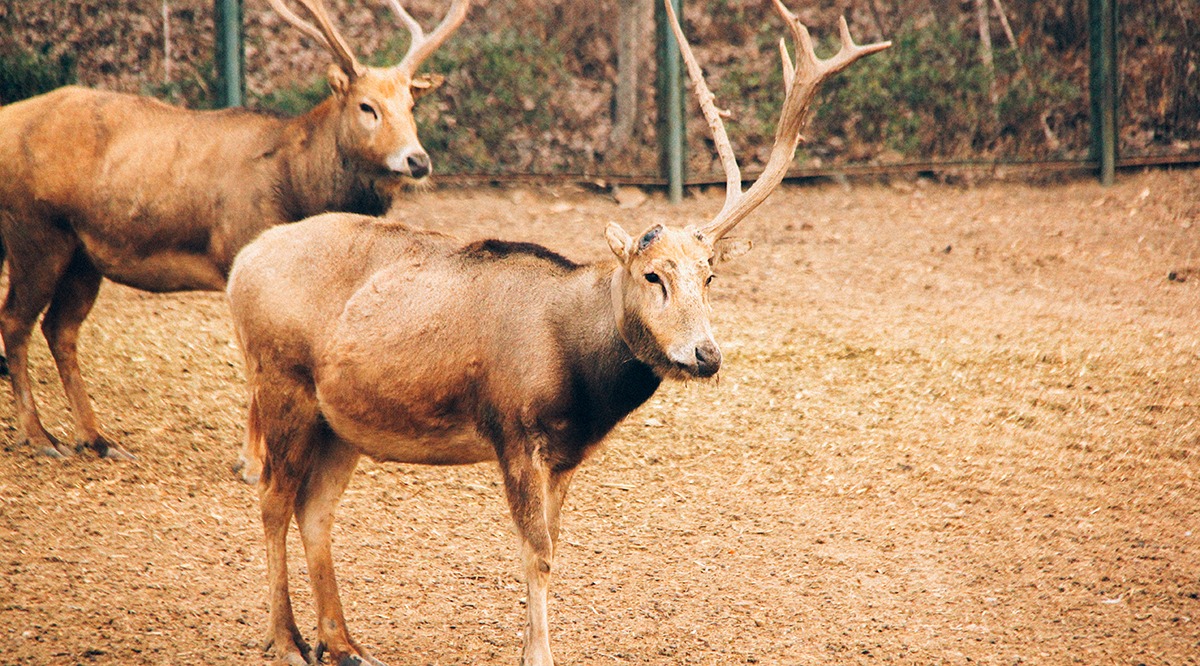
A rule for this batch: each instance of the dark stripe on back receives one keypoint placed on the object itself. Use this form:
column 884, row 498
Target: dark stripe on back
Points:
column 495, row 250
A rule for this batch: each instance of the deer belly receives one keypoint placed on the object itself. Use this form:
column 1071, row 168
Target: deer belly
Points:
column 406, row 442
column 167, row 271
column 160, row 269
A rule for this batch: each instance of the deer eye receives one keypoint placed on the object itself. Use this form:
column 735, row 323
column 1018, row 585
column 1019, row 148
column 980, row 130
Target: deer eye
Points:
column 653, row 278
column 708, row 280
column 367, row 108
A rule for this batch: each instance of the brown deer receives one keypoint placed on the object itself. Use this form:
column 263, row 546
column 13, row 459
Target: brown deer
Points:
column 98, row 184
column 364, row 336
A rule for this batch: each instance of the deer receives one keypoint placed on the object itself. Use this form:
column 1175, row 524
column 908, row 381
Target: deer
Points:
column 373, row 337
column 97, row 184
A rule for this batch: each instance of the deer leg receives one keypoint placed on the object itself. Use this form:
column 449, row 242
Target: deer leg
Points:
column 276, row 501
column 315, row 507
column 535, row 496
column 560, row 482
column 285, row 417
column 33, row 275
column 73, row 300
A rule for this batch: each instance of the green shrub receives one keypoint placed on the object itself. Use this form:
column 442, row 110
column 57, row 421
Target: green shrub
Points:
column 498, row 101
column 1023, row 103
column 753, row 93
column 925, row 96
column 929, row 97
column 25, row 73
column 295, row 100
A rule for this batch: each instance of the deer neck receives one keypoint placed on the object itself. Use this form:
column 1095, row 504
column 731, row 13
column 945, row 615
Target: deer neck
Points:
column 596, row 310
column 318, row 175
column 608, row 381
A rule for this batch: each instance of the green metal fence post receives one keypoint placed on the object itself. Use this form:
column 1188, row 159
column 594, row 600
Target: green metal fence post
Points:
column 1102, row 46
column 670, row 101
column 230, row 55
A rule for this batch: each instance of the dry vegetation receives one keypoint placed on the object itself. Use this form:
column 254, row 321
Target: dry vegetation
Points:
column 955, row 425
column 547, row 108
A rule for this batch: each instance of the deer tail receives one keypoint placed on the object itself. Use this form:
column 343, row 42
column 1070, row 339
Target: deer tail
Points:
column 250, row 463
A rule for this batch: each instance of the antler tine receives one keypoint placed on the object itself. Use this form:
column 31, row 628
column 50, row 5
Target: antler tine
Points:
column 801, row 81
column 418, row 33
column 789, row 71
column 423, row 46
column 324, row 32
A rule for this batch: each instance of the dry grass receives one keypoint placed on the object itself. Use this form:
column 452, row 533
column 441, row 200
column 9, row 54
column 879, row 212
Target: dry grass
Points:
column 954, row 425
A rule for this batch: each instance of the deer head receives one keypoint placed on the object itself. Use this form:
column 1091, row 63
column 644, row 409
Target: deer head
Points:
column 375, row 104
column 660, row 290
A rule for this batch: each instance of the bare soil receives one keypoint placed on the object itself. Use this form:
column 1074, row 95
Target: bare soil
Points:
column 954, row 425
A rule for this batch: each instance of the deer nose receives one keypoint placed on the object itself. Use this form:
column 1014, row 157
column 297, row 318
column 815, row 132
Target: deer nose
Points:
column 418, row 164
column 708, row 358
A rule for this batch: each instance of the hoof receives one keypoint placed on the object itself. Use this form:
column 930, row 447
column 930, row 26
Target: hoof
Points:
column 117, row 453
column 361, row 659
column 300, row 653
column 105, row 449
column 54, row 452
column 50, row 447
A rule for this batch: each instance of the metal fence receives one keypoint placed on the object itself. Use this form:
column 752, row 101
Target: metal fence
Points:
column 554, row 89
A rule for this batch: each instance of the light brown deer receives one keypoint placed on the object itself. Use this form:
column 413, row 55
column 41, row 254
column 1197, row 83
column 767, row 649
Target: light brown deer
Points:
column 97, row 184
column 369, row 337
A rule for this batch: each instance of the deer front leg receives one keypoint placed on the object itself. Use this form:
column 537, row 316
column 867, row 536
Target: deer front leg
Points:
column 72, row 302
column 560, row 482
column 535, row 495
column 35, row 266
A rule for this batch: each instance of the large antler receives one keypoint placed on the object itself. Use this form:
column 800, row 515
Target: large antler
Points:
column 325, row 34
column 801, row 81
column 423, row 46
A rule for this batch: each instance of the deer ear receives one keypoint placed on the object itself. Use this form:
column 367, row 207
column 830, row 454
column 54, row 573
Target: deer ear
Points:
column 730, row 248
column 619, row 242
column 339, row 81
column 426, row 83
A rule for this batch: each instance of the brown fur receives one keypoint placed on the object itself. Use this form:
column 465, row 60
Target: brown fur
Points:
column 98, row 184
column 368, row 337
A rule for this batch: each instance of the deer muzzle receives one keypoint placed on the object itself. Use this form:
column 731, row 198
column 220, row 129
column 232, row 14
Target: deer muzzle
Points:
column 411, row 162
column 702, row 359
column 708, row 358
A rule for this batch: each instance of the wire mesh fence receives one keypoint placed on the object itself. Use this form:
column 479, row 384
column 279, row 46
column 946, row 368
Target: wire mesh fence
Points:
column 553, row 88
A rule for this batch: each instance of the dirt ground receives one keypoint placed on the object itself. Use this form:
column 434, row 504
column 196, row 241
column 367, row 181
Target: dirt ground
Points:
column 955, row 424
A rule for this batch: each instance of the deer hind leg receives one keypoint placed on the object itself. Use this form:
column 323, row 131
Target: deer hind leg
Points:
column 535, row 497
column 73, row 300
column 315, row 508
column 276, row 502
column 35, row 267
column 286, row 412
